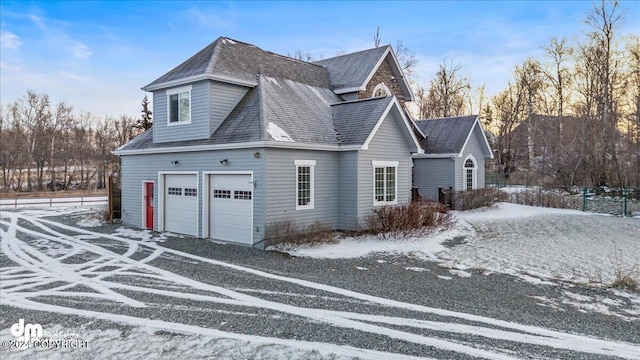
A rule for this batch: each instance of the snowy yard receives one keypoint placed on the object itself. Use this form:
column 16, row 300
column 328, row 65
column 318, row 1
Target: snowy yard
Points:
column 533, row 243
column 129, row 294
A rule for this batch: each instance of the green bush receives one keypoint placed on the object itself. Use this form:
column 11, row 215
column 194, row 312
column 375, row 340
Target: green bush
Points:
column 416, row 218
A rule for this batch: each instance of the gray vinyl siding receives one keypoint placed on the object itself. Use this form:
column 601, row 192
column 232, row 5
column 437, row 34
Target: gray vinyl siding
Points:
column 476, row 148
column 199, row 126
column 281, row 186
column 348, row 191
column 429, row 174
column 222, row 99
column 388, row 144
column 139, row 168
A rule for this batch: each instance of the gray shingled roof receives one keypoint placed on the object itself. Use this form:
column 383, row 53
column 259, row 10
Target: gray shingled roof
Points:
column 447, row 135
column 233, row 59
column 303, row 113
column 292, row 101
column 299, row 110
column 352, row 70
column 354, row 120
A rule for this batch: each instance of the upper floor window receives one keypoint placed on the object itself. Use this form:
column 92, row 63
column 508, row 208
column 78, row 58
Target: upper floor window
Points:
column 304, row 184
column 179, row 105
column 385, row 180
column 381, row 90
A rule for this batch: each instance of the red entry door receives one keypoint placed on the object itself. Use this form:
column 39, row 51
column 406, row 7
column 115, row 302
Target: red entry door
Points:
column 148, row 203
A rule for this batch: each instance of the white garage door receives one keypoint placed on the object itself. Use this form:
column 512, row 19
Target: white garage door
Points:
column 231, row 204
column 181, row 204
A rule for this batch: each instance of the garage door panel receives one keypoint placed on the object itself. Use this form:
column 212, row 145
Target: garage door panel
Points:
column 181, row 204
column 230, row 207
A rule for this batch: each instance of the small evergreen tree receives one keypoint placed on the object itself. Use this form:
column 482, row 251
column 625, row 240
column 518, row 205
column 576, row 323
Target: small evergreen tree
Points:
column 145, row 122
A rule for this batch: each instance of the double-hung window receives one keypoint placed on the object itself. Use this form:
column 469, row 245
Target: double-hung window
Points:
column 385, row 182
column 179, row 105
column 305, row 184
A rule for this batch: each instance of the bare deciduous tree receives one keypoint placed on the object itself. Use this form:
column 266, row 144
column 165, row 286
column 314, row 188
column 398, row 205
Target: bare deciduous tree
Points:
column 447, row 95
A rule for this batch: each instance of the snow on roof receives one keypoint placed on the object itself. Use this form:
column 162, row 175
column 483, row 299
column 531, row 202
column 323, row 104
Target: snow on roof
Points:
column 277, row 133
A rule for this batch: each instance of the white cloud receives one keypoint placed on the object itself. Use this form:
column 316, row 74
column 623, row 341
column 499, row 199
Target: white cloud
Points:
column 38, row 21
column 101, row 95
column 80, row 50
column 9, row 40
column 208, row 18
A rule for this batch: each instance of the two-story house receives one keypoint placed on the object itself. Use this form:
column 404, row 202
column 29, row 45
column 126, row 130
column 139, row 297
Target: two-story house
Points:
column 243, row 138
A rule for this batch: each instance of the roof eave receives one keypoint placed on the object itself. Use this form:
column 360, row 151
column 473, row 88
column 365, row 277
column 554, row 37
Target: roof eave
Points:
column 484, row 137
column 348, row 90
column 435, row 156
column 392, row 103
column 244, row 145
column 191, row 79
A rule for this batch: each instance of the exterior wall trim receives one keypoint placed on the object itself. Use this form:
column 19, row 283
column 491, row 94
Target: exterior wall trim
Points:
column 196, row 78
column 393, row 103
column 311, row 164
column 484, row 137
column 374, row 165
column 434, row 156
column 254, row 144
column 177, row 90
column 474, row 176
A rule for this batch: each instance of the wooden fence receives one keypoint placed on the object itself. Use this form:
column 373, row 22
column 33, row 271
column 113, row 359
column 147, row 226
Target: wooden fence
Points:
column 60, row 201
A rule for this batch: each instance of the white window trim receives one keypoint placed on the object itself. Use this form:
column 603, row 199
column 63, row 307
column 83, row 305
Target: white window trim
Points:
column 174, row 91
column 474, row 173
column 383, row 87
column 311, row 164
column 384, row 164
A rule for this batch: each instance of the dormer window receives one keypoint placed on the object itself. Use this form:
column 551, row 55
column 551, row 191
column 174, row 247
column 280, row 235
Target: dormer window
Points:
column 381, row 90
column 179, row 105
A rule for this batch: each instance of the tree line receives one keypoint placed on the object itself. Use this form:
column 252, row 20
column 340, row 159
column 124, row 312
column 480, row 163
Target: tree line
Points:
column 44, row 146
column 588, row 92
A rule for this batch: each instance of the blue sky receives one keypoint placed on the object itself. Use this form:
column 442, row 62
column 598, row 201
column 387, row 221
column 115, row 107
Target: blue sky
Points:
column 97, row 55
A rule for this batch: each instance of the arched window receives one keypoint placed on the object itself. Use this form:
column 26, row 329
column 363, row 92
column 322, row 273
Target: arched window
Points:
column 469, row 171
column 381, row 90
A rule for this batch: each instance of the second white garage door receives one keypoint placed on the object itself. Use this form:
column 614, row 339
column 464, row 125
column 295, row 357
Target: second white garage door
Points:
column 231, row 205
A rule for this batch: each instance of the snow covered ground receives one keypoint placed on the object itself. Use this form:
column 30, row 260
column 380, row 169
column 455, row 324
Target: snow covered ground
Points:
column 537, row 245
column 128, row 277
column 534, row 243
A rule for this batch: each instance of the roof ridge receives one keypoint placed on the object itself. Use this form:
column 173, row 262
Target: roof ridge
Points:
column 448, row 118
column 261, row 105
column 270, row 52
column 214, row 56
column 355, row 52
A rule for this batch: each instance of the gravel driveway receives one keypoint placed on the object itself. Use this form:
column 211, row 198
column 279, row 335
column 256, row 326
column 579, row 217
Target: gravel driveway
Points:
column 62, row 276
